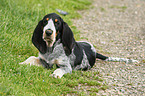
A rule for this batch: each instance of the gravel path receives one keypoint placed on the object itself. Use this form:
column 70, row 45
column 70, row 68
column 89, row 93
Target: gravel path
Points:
column 117, row 29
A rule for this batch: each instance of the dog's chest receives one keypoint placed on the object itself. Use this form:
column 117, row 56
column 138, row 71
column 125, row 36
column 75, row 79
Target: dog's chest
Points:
column 57, row 55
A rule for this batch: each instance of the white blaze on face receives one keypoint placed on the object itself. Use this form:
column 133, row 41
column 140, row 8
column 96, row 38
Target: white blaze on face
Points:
column 50, row 25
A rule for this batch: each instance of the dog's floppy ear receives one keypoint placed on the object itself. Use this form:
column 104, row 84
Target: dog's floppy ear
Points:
column 37, row 40
column 68, row 40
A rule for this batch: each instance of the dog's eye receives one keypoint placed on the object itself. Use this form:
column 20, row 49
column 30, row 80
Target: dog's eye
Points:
column 47, row 19
column 56, row 20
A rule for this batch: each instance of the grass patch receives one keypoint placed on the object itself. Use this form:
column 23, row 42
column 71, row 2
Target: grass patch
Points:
column 104, row 87
column 120, row 8
column 94, row 90
column 88, row 82
column 143, row 61
column 102, row 9
column 18, row 20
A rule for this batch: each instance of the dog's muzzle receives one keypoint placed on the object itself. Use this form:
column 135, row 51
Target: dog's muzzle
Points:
column 48, row 32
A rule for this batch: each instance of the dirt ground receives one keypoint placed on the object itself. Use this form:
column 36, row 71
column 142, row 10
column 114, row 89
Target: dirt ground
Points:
column 117, row 29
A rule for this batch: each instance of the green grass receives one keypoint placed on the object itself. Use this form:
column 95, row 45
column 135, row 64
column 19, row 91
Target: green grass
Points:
column 120, row 8
column 18, row 18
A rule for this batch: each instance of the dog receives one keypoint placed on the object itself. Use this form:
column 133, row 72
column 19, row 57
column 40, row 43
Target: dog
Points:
column 56, row 44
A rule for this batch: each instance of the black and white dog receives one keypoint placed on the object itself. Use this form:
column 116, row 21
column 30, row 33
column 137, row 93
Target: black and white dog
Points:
column 56, row 44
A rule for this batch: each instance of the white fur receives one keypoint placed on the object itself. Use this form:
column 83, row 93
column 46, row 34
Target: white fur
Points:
column 50, row 25
column 121, row 60
column 58, row 73
column 32, row 61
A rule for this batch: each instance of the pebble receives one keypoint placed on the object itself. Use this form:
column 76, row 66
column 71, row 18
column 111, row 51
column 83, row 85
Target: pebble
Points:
column 115, row 88
column 120, row 85
column 122, row 90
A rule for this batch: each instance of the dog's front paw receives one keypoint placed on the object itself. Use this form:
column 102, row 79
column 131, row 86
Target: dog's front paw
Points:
column 58, row 73
column 55, row 75
column 32, row 61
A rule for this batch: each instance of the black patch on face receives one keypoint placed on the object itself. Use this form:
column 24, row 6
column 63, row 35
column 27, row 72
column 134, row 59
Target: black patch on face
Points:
column 54, row 16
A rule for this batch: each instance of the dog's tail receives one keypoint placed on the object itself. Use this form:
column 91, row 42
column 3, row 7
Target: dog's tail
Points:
column 115, row 59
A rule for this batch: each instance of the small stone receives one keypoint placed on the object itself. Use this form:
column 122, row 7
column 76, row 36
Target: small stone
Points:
column 122, row 90
column 135, row 12
column 104, row 94
column 123, row 70
column 120, row 85
column 119, row 93
column 115, row 88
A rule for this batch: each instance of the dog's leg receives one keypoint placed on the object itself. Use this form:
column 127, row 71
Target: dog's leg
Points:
column 32, row 61
column 58, row 73
column 64, row 67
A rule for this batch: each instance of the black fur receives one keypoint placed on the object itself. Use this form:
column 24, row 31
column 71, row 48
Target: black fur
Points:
column 78, row 52
column 37, row 40
column 68, row 40
column 100, row 56
column 91, row 56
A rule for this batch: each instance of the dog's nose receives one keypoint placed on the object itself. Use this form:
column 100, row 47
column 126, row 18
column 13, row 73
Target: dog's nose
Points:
column 48, row 32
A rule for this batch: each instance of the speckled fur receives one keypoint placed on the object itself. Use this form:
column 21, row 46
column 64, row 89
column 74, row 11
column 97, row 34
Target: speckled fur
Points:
column 57, row 56
column 84, row 64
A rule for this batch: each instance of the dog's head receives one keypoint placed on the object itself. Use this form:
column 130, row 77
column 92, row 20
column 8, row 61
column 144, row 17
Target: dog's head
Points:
column 49, row 30
column 52, row 25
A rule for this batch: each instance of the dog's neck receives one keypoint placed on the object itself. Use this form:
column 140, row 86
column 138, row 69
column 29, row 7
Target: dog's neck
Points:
column 50, row 49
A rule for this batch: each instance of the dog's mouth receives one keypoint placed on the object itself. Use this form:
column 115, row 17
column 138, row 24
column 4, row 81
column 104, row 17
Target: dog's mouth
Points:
column 48, row 39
